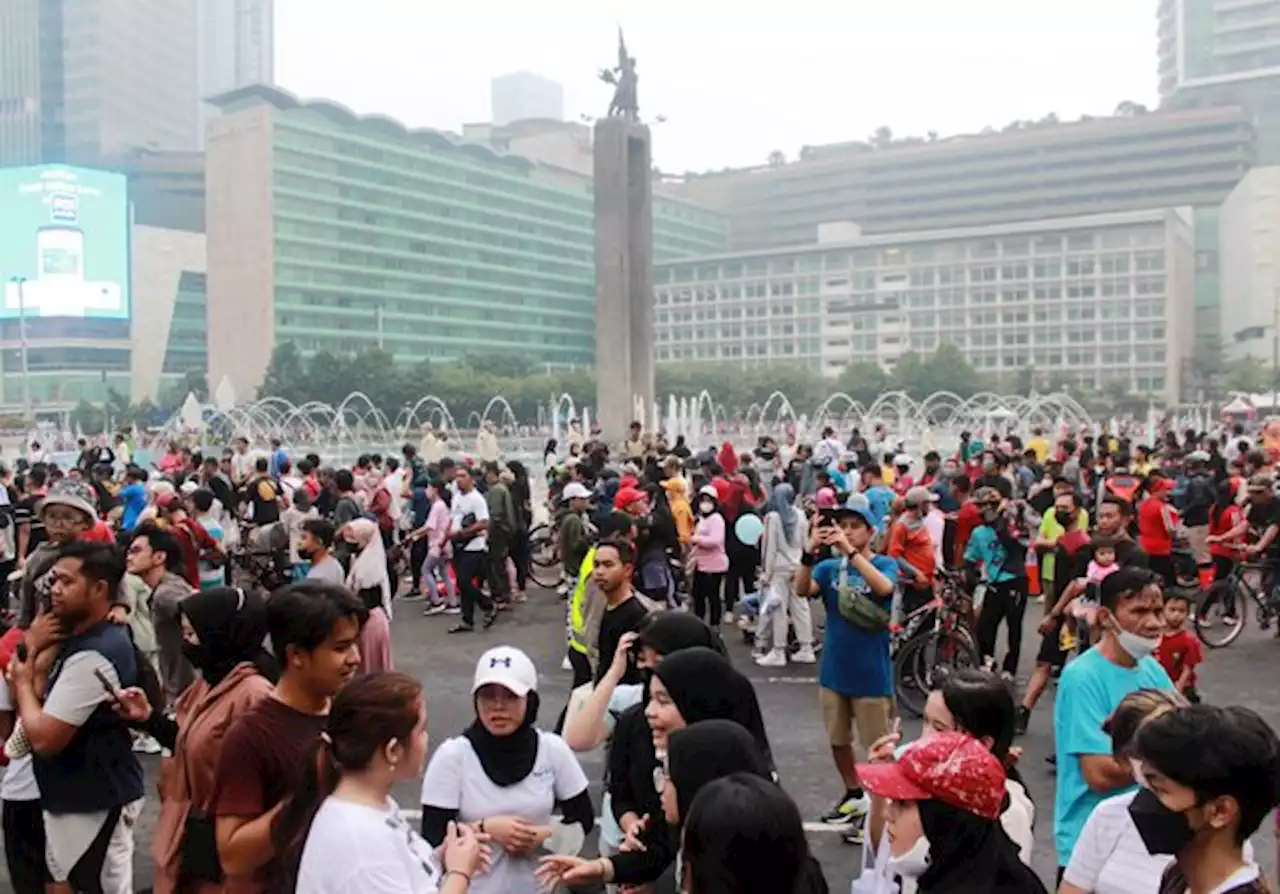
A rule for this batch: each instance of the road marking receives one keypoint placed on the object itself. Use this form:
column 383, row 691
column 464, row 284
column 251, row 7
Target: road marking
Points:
column 416, row 816
column 800, row 681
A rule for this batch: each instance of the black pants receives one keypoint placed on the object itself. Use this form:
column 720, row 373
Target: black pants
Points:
column 388, row 541
column 471, row 568
column 1163, row 566
column 741, row 579
column 520, row 555
column 1006, row 601
column 706, row 595
column 24, row 846
column 417, row 558
column 499, row 549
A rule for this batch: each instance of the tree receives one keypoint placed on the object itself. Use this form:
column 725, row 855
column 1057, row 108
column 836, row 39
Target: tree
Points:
column 1248, row 374
column 1129, row 109
column 882, row 136
column 863, row 381
column 285, row 375
column 1025, row 382
column 511, row 366
column 777, row 159
column 88, row 418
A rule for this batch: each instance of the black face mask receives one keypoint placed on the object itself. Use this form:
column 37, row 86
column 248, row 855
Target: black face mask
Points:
column 1064, row 518
column 305, row 554
column 192, row 654
column 1163, row 830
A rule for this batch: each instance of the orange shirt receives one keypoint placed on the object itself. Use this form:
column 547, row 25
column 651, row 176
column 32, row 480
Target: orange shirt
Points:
column 914, row 546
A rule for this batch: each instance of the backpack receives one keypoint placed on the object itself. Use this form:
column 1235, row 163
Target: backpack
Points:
column 1123, row 485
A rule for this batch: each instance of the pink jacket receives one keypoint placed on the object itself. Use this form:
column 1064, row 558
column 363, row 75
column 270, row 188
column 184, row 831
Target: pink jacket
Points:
column 438, row 529
column 707, row 551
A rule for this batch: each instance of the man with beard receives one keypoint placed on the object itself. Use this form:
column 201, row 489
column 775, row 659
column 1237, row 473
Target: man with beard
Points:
column 89, row 779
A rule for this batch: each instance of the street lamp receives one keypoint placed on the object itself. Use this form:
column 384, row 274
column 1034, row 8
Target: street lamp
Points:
column 20, row 282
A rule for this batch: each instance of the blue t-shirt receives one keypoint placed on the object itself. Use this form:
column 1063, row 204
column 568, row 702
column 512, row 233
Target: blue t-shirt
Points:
column 880, row 501
column 133, row 498
column 984, row 546
column 278, row 459
column 1090, row 689
column 421, row 507
column 856, row 664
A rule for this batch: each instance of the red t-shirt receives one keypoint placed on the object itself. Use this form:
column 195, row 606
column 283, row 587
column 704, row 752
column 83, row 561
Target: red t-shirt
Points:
column 193, row 539
column 1178, row 651
column 1154, row 536
column 915, row 546
column 967, row 519
column 1221, row 523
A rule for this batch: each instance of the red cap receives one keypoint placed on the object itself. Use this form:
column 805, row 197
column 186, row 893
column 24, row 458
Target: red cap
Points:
column 953, row 768
column 626, row 496
column 1162, row 484
column 166, row 501
column 628, row 481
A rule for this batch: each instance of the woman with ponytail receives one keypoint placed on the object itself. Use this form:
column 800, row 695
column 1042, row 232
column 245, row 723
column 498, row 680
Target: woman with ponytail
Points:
column 342, row 833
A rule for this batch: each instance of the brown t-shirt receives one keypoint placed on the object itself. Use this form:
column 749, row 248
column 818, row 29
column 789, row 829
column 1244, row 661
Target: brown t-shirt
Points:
column 261, row 764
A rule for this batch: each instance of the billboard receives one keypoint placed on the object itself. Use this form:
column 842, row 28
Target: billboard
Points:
column 64, row 235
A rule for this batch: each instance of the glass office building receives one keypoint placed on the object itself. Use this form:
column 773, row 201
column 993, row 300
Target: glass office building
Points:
column 1083, row 301
column 338, row 232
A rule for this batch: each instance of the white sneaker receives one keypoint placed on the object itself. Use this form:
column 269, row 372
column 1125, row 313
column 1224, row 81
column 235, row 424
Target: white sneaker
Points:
column 774, row 658
column 804, row 655
column 145, row 744
column 728, row 617
column 566, row 664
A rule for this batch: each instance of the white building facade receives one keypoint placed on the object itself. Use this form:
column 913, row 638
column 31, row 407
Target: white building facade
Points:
column 1083, row 301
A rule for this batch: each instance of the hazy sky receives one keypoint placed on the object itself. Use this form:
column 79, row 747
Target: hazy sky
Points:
column 734, row 80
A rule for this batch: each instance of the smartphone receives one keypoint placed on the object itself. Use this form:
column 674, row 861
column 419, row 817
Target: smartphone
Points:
column 826, row 518
column 21, row 652
column 107, row 685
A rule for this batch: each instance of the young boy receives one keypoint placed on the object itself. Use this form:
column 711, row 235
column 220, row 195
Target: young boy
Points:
column 1179, row 652
column 315, row 635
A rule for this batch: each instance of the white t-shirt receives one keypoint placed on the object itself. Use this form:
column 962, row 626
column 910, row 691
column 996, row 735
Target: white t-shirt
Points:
column 1109, row 856
column 455, row 780
column 472, row 503
column 20, row 776
column 357, row 849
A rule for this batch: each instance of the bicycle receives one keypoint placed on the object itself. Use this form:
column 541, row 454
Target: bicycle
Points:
column 1246, row 581
column 933, row 640
column 544, row 555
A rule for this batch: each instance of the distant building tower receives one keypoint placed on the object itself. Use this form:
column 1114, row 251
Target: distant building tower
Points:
column 84, row 79
column 523, row 95
column 237, row 48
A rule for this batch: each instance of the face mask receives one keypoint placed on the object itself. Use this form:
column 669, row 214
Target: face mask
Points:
column 1138, row 647
column 706, row 508
column 305, row 554
column 1163, row 830
column 990, row 515
column 191, row 653
column 1064, row 518
column 914, row 863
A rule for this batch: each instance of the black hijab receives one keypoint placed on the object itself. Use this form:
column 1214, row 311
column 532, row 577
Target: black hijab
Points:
column 709, row 750
column 231, row 624
column 670, row 632
column 705, row 686
column 507, row 760
column 971, row 855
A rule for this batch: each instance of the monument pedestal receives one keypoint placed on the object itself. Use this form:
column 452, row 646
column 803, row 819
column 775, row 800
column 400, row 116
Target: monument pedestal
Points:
column 624, row 273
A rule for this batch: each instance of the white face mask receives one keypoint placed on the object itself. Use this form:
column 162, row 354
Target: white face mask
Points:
column 706, row 507
column 1138, row 647
column 914, row 863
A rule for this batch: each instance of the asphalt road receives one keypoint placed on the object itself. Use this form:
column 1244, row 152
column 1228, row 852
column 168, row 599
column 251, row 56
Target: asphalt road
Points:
column 1242, row 674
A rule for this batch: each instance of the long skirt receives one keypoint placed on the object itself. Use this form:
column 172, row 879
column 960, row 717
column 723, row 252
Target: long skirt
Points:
column 375, row 643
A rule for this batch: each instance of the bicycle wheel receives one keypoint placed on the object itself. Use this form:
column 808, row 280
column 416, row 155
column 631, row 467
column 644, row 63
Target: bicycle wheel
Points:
column 949, row 649
column 909, row 685
column 1220, row 617
column 544, row 557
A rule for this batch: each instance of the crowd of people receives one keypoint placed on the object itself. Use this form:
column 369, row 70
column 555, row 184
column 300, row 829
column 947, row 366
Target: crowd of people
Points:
column 284, row 726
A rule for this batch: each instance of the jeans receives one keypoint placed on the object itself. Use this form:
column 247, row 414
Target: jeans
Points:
column 432, row 564
column 1005, row 601
column 706, row 595
column 471, row 568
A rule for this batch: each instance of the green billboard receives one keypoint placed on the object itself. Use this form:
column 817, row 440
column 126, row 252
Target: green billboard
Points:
column 64, row 242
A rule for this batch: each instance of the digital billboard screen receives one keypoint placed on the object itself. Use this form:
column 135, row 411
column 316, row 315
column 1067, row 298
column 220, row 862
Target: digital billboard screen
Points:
column 64, row 236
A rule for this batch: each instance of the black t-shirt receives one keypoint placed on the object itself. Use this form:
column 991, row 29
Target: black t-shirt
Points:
column 24, row 513
column 264, row 493
column 623, row 619
column 1262, row 516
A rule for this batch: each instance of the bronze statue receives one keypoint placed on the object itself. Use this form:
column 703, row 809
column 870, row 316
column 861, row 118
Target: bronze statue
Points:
column 625, row 102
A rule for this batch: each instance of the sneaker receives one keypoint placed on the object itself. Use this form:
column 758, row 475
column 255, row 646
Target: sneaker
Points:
column 853, row 835
column 728, row 618
column 775, row 658
column 1020, row 722
column 849, row 810
column 489, row 617
column 462, row 628
column 566, row 664
column 432, row 610
column 413, row 596
column 145, row 744
column 452, row 610
column 804, row 655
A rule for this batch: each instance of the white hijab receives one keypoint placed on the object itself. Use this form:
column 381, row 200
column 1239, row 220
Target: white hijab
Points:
column 369, row 567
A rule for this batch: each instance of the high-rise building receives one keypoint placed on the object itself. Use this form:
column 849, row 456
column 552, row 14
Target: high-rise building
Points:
column 522, row 95
column 237, row 48
column 1081, row 302
column 1224, row 52
column 338, row 232
column 1249, row 231
column 84, row 79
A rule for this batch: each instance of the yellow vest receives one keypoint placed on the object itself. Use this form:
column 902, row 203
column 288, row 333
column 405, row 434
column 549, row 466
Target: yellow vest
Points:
column 577, row 604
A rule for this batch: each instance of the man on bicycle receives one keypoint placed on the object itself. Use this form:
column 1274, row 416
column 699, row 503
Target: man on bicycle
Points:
column 1263, row 514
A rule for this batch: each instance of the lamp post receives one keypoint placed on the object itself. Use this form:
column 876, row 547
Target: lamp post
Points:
column 20, row 282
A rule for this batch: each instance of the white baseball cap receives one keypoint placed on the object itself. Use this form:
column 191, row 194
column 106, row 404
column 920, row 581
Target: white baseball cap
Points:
column 575, row 491
column 509, row 668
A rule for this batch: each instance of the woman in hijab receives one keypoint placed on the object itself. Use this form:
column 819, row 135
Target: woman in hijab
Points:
column 368, row 580
column 222, row 633
column 688, row 687
column 504, row 776
column 945, row 798
column 728, row 459
column 785, row 533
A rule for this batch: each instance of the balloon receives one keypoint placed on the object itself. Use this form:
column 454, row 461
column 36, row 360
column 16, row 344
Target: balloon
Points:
column 749, row 529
